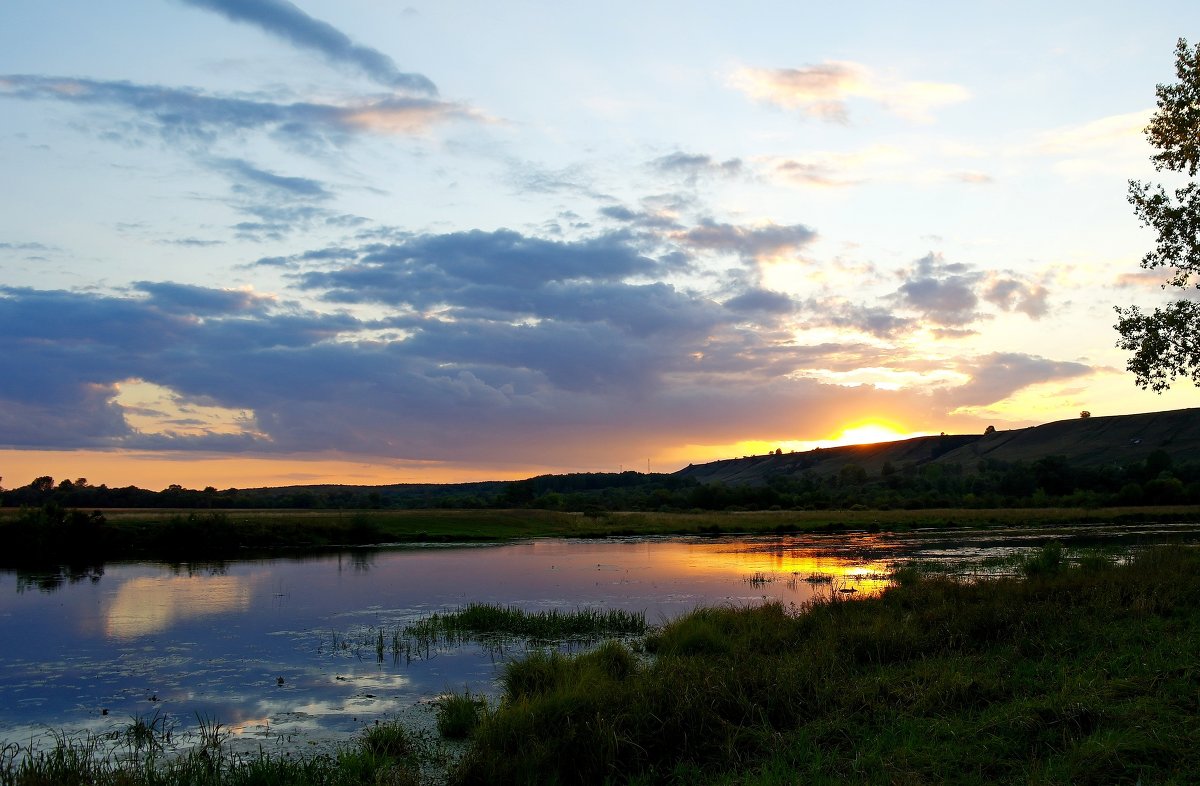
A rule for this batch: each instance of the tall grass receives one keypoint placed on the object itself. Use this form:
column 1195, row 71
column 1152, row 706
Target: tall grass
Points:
column 384, row 754
column 478, row 619
column 1070, row 675
column 492, row 625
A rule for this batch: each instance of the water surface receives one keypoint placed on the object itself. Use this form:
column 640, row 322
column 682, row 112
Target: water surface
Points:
column 279, row 650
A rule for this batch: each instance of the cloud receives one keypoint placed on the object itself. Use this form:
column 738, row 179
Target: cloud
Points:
column 644, row 219
column 607, row 365
column 941, row 292
column 761, row 301
column 997, row 376
column 758, row 242
column 878, row 321
column 1096, row 136
column 24, row 247
column 290, row 186
column 838, row 169
column 189, row 115
column 426, row 270
column 823, row 91
column 691, row 167
column 1010, row 294
column 278, row 204
column 284, row 20
column 202, row 301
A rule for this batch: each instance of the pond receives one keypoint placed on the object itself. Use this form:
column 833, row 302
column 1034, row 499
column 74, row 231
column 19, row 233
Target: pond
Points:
column 284, row 654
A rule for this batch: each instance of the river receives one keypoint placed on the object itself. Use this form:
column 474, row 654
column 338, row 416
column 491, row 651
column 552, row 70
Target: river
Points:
column 281, row 651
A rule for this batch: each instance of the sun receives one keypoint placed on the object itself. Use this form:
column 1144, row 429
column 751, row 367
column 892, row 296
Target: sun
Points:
column 869, row 432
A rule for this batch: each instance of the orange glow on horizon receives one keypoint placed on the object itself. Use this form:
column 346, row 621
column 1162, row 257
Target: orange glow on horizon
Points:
column 861, row 432
column 156, row 471
column 871, row 431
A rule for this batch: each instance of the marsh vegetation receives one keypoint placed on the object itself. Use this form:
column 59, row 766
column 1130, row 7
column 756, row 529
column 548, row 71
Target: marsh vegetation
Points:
column 1069, row 671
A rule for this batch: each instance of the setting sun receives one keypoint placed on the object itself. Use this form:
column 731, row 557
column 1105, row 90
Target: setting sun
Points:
column 871, row 431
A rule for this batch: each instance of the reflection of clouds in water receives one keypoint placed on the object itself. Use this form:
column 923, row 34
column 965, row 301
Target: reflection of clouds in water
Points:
column 149, row 604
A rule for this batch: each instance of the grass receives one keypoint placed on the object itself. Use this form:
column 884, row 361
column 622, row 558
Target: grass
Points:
column 191, row 534
column 493, row 625
column 385, row 754
column 458, row 714
column 1076, row 674
column 487, row 619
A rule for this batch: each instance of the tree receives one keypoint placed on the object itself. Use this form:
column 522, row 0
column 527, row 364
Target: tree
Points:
column 1166, row 343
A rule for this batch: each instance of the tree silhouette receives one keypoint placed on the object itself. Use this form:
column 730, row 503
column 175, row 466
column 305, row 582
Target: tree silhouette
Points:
column 1166, row 343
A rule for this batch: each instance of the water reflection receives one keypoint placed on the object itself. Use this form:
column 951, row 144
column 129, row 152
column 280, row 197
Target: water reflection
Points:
column 54, row 579
column 249, row 643
column 150, row 604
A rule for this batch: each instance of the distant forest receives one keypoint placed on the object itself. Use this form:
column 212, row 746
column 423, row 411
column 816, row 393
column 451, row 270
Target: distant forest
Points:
column 1052, row 481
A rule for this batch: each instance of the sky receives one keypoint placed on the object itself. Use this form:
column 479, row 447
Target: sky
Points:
column 255, row 242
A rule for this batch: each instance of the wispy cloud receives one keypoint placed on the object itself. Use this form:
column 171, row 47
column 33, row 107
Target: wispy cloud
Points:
column 288, row 22
column 187, row 114
column 999, row 375
column 693, row 166
column 822, row 91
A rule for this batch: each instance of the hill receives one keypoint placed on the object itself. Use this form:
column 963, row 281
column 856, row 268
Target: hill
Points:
column 1118, row 440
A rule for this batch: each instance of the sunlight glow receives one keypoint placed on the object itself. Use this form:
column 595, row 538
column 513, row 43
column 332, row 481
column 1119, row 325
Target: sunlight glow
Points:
column 870, row 432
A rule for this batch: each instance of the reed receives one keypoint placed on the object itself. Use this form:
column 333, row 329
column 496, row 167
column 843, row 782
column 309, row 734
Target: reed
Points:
column 485, row 619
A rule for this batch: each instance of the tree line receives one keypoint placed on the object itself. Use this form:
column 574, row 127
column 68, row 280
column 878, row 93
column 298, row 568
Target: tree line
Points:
column 1052, row 481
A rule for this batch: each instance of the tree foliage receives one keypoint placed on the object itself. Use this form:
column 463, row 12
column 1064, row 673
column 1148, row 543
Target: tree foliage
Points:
column 1166, row 343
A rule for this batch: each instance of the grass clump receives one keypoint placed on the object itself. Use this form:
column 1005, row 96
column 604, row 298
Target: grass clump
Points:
column 487, row 619
column 459, row 713
column 1068, row 674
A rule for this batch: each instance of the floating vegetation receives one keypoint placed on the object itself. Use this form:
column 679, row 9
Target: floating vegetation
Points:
column 493, row 625
column 759, row 579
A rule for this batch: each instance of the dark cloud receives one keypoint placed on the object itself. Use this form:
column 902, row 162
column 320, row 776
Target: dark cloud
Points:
column 428, row 270
column 748, row 242
column 189, row 115
column 761, row 301
column 492, row 337
column 997, row 376
column 284, row 20
column 944, row 293
column 643, row 219
column 1011, row 294
column 201, row 301
column 877, row 321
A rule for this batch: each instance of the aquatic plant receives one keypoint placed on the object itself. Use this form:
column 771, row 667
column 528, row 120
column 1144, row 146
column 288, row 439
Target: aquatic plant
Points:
column 459, row 713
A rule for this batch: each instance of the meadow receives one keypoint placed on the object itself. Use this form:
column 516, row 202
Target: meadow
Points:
column 52, row 533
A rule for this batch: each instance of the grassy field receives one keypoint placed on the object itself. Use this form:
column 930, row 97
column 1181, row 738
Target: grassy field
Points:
column 38, row 535
column 1068, row 674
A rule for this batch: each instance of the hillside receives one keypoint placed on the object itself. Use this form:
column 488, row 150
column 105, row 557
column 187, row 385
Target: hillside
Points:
column 1097, row 441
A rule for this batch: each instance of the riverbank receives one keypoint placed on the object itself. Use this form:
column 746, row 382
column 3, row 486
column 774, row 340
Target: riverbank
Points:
column 1081, row 673
column 54, row 534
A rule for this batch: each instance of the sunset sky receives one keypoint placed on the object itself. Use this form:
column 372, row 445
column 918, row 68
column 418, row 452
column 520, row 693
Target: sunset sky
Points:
column 251, row 242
